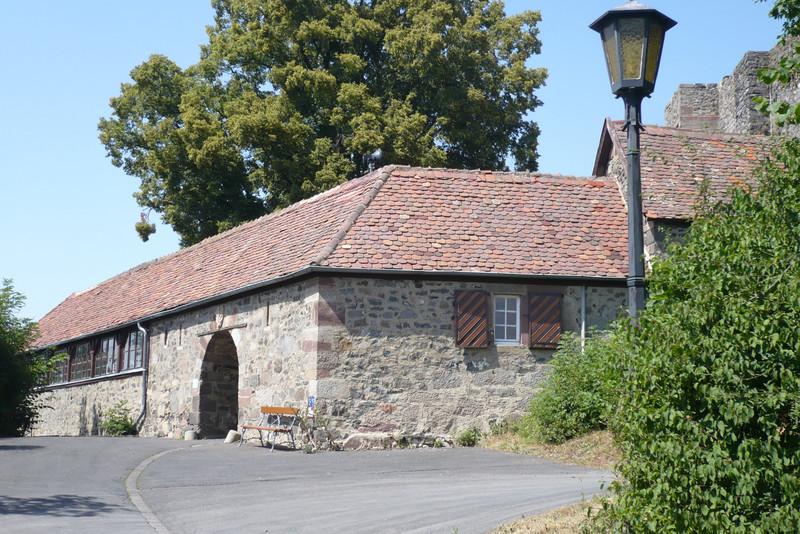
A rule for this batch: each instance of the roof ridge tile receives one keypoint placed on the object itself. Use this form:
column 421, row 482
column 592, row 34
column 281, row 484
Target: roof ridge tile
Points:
column 383, row 175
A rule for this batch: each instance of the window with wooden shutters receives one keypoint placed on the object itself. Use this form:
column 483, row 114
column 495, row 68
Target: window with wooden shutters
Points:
column 544, row 314
column 472, row 319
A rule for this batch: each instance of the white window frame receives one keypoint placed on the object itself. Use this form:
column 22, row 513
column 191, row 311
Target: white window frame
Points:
column 510, row 298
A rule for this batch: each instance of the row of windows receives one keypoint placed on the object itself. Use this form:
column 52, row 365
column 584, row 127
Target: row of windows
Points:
column 99, row 357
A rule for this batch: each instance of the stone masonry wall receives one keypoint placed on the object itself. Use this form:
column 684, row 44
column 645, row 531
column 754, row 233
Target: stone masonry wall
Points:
column 738, row 115
column 275, row 348
column 275, row 341
column 387, row 360
column 78, row 410
column 694, row 106
column 379, row 354
column 728, row 106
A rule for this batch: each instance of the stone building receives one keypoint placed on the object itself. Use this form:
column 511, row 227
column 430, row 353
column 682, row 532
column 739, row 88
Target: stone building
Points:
column 408, row 301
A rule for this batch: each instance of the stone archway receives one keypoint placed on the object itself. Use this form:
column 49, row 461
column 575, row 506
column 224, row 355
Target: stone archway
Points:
column 218, row 404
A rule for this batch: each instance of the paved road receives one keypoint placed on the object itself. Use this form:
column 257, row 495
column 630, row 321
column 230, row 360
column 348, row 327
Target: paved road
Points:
column 78, row 485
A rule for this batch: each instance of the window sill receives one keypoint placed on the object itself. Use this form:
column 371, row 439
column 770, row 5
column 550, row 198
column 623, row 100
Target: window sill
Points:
column 84, row 381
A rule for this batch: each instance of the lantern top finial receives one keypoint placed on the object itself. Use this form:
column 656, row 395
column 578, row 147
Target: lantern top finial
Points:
column 632, row 8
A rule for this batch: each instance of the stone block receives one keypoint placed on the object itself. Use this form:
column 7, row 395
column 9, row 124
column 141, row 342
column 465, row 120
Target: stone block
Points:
column 368, row 440
column 333, row 388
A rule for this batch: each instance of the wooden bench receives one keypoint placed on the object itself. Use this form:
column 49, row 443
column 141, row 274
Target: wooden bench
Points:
column 274, row 420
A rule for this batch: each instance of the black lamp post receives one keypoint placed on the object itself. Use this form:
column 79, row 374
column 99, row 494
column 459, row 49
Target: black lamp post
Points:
column 633, row 36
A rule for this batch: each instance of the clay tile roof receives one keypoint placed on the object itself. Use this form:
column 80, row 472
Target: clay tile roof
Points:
column 675, row 162
column 475, row 221
column 396, row 218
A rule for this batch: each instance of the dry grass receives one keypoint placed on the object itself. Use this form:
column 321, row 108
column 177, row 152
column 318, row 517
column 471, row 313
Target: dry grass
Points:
column 595, row 449
column 567, row 520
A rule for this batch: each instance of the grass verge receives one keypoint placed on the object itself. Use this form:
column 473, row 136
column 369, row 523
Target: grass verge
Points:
column 595, row 449
column 567, row 520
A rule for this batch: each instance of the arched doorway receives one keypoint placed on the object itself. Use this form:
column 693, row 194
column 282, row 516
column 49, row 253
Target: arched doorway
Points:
column 219, row 387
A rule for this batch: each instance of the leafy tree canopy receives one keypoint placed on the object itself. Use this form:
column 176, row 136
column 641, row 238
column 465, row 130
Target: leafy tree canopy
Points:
column 20, row 371
column 290, row 98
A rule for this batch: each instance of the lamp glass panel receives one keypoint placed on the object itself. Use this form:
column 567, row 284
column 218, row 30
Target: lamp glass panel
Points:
column 610, row 47
column 631, row 32
column 655, row 40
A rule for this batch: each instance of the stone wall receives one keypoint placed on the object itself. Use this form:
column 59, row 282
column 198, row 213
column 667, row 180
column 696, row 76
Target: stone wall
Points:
column 275, row 343
column 728, row 106
column 78, row 410
column 694, row 106
column 737, row 92
column 263, row 348
column 617, row 171
column 387, row 358
column 663, row 232
column 379, row 354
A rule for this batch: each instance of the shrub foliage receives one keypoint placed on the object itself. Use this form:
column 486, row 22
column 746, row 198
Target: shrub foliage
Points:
column 581, row 390
column 21, row 371
column 118, row 421
column 710, row 415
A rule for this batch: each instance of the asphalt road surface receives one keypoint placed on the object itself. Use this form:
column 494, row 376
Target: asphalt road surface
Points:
column 79, row 485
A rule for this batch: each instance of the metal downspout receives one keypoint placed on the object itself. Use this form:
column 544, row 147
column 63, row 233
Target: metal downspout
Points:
column 583, row 318
column 145, row 368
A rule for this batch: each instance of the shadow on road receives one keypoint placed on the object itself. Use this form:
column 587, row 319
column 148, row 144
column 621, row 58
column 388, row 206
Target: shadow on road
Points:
column 20, row 447
column 56, row 505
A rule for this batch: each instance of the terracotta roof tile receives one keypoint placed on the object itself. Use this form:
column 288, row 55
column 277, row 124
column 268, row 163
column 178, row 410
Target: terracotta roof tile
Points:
column 478, row 221
column 397, row 218
column 675, row 163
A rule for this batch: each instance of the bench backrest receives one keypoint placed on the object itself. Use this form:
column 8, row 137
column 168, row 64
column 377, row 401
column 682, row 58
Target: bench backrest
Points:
column 279, row 410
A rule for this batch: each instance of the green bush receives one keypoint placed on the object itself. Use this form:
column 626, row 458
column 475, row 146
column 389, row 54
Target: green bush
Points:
column 21, row 370
column 710, row 415
column 469, row 437
column 581, row 390
column 117, row 421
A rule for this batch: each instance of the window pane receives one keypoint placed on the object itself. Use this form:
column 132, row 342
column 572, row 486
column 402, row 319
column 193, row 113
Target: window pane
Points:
column 59, row 374
column 500, row 333
column 81, row 362
column 511, row 332
column 132, row 355
column 105, row 359
column 499, row 318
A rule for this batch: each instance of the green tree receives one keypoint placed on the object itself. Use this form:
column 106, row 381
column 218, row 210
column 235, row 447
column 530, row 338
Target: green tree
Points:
column 21, row 371
column 290, row 98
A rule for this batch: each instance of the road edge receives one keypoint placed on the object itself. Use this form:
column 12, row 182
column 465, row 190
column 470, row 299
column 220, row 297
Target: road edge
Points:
column 135, row 496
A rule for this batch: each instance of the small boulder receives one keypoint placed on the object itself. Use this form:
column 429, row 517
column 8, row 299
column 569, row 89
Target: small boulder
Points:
column 232, row 437
column 190, row 435
column 367, row 440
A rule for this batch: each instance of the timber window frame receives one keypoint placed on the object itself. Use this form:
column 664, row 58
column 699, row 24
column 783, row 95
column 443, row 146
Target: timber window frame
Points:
column 132, row 351
column 506, row 311
column 80, row 366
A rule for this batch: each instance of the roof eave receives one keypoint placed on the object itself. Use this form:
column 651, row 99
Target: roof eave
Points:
column 312, row 270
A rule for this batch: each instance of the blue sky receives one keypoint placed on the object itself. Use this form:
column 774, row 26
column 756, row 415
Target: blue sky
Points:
column 67, row 213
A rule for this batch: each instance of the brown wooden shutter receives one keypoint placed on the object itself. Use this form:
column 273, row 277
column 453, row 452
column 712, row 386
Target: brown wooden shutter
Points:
column 472, row 319
column 544, row 314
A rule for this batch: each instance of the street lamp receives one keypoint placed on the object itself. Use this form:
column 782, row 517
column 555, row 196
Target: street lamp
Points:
column 633, row 37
